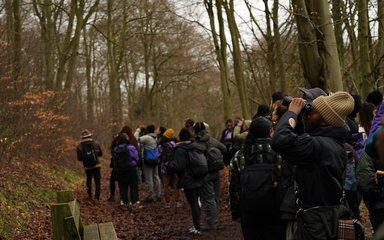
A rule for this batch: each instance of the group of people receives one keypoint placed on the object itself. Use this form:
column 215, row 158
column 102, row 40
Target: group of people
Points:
column 298, row 170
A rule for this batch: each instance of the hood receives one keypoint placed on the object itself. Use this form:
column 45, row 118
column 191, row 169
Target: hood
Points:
column 190, row 145
column 202, row 136
column 338, row 133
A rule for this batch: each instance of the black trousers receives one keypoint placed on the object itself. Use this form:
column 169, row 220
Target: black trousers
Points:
column 128, row 181
column 96, row 175
column 257, row 227
column 192, row 198
column 112, row 185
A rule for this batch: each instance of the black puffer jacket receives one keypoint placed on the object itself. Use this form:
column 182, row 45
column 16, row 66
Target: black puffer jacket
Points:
column 319, row 159
column 180, row 165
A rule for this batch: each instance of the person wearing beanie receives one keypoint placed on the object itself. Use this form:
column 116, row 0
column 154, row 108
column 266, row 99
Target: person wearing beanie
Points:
column 88, row 151
column 210, row 195
column 166, row 147
column 148, row 144
column 262, row 111
column 319, row 155
column 240, row 131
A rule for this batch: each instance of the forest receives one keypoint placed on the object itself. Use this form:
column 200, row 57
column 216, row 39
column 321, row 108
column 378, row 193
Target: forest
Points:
column 67, row 65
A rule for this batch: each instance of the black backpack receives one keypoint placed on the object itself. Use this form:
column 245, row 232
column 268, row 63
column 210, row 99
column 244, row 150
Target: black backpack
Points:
column 89, row 156
column 197, row 163
column 260, row 179
column 122, row 158
column 215, row 158
column 167, row 153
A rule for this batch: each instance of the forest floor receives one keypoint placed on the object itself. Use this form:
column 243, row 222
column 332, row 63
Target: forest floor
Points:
column 150, row 221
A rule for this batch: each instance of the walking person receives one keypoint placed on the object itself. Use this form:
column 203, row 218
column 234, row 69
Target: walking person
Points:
column 88, row 152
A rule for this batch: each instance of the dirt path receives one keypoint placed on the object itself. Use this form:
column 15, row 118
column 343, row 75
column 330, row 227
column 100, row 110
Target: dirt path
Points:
column 153, row 221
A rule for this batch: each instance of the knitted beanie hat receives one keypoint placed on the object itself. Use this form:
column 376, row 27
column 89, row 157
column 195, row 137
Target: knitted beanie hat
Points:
column 169, row 133
column 334, row 108
column 85, row 134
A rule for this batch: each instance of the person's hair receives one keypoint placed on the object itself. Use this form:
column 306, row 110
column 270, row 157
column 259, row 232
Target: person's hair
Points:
column 278, row 96
column 188, row 123
column 127, row 130
column 366, row 116
column 228, row 121
column 262, row 111
column 185, row 135
column 280, row 109
column 162, row 130
column 375, row 97
column 260, row 128
column 357, row 106
column 150, row 128
column 199, row 126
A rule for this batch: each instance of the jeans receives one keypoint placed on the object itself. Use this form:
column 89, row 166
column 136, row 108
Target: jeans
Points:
column 96, row 175
column 128, row 181
column 192, row 196
column 215, row 178
column 207, row 196
column 152, row 180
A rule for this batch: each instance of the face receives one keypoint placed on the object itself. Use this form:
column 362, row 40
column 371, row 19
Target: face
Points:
column 314, row 120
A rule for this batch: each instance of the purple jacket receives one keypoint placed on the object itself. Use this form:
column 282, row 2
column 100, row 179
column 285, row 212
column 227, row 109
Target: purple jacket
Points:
column 376, row 121
column 133, row 152
column 163, row 168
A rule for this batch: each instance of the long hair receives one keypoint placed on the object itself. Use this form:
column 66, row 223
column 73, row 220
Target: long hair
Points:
column 127, row 130
column 366, row 116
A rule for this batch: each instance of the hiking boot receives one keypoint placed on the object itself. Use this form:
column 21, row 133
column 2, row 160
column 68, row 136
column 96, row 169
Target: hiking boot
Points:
column 148, row 200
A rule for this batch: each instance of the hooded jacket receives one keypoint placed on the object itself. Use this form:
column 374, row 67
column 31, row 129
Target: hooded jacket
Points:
column 96, row 145
column 319, row 158
column 203, row 139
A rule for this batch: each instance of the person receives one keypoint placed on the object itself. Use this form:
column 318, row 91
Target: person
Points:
column 263, row 110
column 88, row 152
column 319, row 156
column 126, row 157
column 259, row 209
column 186, row 179
column 210, row 194
column 375, row 97
column 226, row 139
column 166, row 153
column 240, row 131
column 150, row 166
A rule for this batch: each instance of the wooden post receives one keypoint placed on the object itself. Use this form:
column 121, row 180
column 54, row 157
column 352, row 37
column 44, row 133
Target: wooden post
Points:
column 64, row 196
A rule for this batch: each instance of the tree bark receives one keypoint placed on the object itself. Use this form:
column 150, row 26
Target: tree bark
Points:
column 278, row 51
column 237, row 60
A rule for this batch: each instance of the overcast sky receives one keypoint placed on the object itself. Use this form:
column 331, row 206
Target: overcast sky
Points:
column 194, row 10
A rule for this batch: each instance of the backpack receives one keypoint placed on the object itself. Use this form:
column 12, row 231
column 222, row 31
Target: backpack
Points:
column 260, row 180
column 197, row 163
column 122, row 158
column 214, row 158
column 167, row 153
column 150, row 156
column 89, row 156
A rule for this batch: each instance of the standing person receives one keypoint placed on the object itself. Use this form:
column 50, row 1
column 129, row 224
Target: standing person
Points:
column 319, row 158
column 126, row 157
column 210, row 192
column 226, row 139
column 182, row 165
column 88, row 152
column 150, row 164
column 261, row 187
column 113, row 178
column 166, row 154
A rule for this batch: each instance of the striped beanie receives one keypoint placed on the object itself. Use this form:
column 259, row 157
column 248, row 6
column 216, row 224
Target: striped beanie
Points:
column 334, row 108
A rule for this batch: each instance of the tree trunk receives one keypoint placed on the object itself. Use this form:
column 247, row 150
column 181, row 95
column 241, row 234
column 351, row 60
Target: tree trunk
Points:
column 337, row 15
column 278, row 51
column 365, row 83
column 332, row 74
column 221, row 53
column 237, row 61
column 308, row 46
column 380, row 46
column 270, row 48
